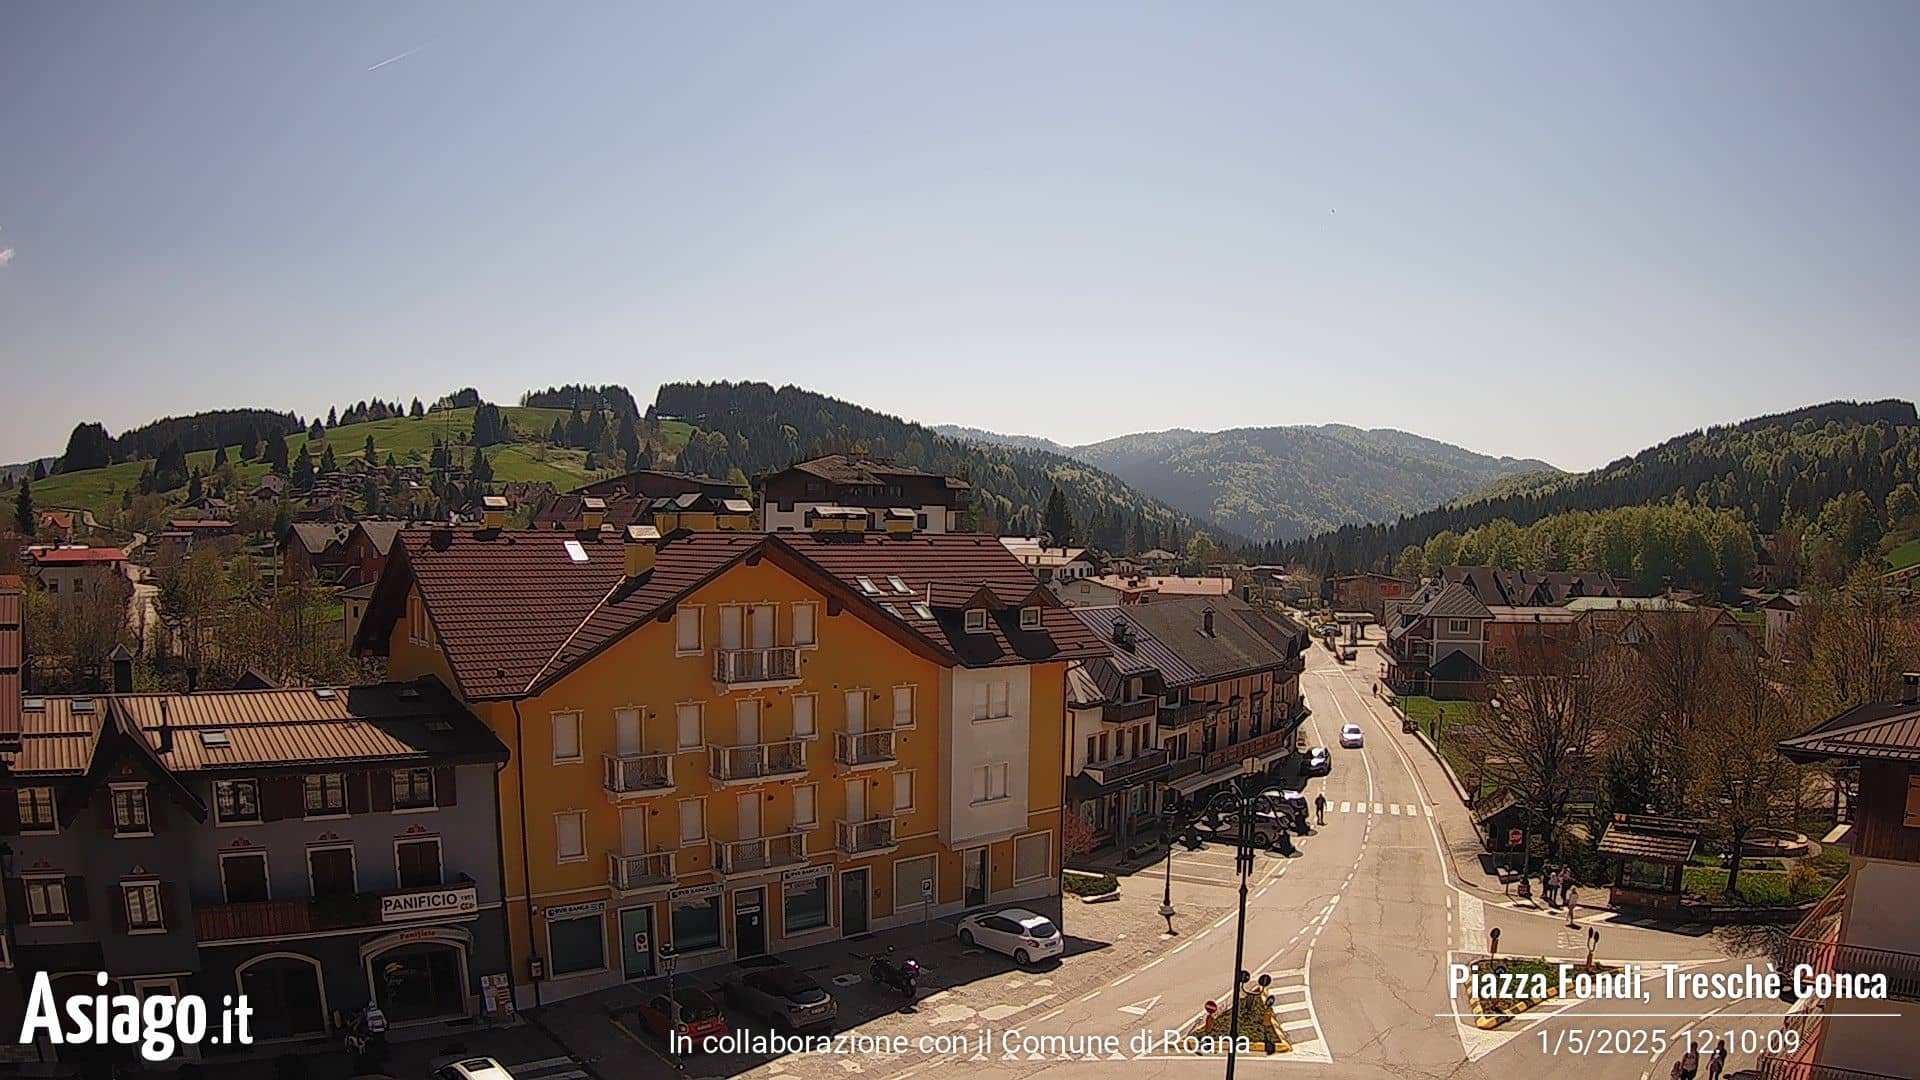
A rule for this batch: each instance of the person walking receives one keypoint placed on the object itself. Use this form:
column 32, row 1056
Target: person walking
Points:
column 1320, row 807
column 1573, row 899
column 1689, row 1063
column 1717, row 1061
column 1549, row 879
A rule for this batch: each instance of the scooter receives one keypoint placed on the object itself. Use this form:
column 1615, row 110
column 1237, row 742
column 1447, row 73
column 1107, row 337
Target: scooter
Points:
column 903, row 977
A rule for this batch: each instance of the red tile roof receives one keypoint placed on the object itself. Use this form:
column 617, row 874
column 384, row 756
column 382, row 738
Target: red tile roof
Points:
column 514, row 611
column 12, row 650
column 77, row 556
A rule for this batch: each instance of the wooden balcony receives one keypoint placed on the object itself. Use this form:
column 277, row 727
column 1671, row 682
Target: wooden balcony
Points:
column 643, row 871
column 1181, row 715
column 864, row 749
column 755, row 762
column 267, row 919
column 765, row 853
column 745, row 669
column 630, row 775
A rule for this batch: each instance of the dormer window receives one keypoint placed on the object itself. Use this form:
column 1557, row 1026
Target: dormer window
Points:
column 976, row 620
column 1029, row 618
column 130, row 810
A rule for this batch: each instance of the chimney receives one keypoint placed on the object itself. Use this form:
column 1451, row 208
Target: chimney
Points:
column 493, row 512
column 1206, row 622
column 901, row 521
column 1246, row 593
column 164, row 742
column 1119, row 631
column 593, row 513
column 1910, row 688
column 642, row 545
column 122, row 660
column 193, row 679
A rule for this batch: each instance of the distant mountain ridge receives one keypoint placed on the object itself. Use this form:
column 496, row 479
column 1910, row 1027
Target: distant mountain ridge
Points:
column 1279, row 483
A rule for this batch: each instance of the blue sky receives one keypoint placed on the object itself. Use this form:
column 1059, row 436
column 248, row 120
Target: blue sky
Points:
column 1560, row 232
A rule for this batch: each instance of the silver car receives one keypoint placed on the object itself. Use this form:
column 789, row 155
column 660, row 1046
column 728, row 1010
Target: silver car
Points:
column 782, row 994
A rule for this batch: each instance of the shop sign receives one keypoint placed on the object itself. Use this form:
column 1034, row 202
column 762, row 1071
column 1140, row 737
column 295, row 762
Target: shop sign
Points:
column 430, row 904
column 695, row 892
column 806, row 873
column 574, row 911
column 496, row 994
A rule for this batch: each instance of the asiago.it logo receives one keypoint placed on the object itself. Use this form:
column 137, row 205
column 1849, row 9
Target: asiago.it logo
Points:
column 158, row 1024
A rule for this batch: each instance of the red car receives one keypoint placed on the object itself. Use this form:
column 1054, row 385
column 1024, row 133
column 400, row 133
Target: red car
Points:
column 694, row 1015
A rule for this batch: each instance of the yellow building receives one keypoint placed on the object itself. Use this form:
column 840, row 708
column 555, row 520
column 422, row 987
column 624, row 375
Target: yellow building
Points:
column 736, row 742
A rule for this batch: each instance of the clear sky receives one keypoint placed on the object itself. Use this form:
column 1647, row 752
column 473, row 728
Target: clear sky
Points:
column 1559, row 231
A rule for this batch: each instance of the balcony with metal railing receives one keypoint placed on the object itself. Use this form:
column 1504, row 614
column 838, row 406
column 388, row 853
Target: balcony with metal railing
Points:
column 1820, row 1047
column 864, row 749
column 1817, row 943
column 745, row 669
column 864, row 837
column 763, row 853
column 630, row 775
column 1147, row 765
column 643, row 871
column 757, row 761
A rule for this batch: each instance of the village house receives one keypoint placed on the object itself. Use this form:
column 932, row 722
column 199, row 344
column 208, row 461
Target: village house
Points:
column 655, row 484
column 1368, row 592
column 71, row 571
column 858, row 481
column 314, row 551
column 312, row 848
column 1052, row 565
column 798, row 737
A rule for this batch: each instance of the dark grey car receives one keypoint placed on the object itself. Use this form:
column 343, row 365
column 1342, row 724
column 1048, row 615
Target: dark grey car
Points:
column 782, row 994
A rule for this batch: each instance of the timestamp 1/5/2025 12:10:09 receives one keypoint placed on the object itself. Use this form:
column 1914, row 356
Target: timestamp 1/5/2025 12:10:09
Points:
column 1598, row 1042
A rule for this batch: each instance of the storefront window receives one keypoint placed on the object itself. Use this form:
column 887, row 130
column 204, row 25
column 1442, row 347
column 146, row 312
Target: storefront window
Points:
column 805, row 905
column 1636, row 874
column 418, row 982
column 696, row 924
column 285, row 995
column 576, row 945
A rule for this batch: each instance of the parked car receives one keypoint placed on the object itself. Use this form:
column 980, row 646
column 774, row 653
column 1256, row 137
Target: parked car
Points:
column 471, row 1068
column 780, row 993
column 1024, row 935
column 1351, row 737
column 1268, row 827
column 1319, row 762
column 692, row 1012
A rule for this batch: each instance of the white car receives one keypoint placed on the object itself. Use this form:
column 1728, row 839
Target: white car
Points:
column 472, row 1068
column 1024, row 935
column 1350, row 737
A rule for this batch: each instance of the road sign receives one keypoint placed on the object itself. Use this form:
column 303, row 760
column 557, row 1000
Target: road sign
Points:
column 1515, row 837
column 926, row 888
column 640, row 941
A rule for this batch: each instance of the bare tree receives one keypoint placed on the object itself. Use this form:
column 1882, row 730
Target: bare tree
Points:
column 73, row 633
column 1740, row 782
column 1673, row 654
column 1860, row 640
column 1547, row 723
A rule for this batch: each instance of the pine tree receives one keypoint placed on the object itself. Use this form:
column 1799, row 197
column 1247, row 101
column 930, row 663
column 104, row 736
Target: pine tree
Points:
column 1058, row 522
column 645, row 460
column 303, row 470
column 629, row 440
column 196, row 488
column 23, row 516
column 275, row 452
column 482, row 472
column 315, row 433
column 368, row 452
column 39, row 470
column 333, row 418
column 327, row 462
column 558, row 436
column 416, row 410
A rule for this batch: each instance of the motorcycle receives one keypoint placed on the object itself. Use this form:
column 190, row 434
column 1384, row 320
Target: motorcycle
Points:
column 903, row 977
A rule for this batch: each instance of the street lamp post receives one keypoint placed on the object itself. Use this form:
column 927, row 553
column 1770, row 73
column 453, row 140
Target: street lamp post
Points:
column 1247, row 804
column 1166, row 894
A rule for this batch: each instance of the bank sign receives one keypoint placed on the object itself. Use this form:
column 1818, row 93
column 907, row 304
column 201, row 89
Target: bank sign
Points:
column 429, row 904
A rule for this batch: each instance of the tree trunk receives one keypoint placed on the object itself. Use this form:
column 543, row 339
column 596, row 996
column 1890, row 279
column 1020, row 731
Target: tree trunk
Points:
column 1733, row 864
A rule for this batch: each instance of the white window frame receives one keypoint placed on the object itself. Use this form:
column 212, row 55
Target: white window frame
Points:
column 251, row 853
column 439, row 858
column 976, row 620
column 30, row 797
column 913, row 702
column 1005, row 706
column 259, row 812
column 127, row 890
column 114, row 792
column 1459, row 626
column 680, row 822
column 987, row 772
column 1030, row 618
column 698, row 622
column 353, row 860
column 907, row 775
column 812, row 820
column 813, row 716
column 579, row 819
column 700, row 727
column 433, row 790
column 45, row 887
column 560, row 719
column 605, row 959
column 813, row 624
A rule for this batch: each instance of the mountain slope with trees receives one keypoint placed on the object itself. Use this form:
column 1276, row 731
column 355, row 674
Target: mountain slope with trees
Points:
column 750, row 429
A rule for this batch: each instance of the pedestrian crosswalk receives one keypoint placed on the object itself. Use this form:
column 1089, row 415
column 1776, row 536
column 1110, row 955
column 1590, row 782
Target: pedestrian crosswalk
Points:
column 1293, row 1010
column 553, row 1068
column 1380, row 809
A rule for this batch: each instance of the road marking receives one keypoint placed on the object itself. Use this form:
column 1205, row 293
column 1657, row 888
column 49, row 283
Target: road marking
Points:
column 1090, row 995
column 1125, row 979
column 1345, row 807
column 1154, row 964
column 1141, row 1007
column 1395, row 807
column 1182, row 947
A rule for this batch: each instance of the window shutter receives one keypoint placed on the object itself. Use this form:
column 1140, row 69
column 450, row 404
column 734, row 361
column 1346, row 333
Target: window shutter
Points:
column 117, row 901
column 357, row 792
column 156, row 810
column 281, row 797
column 166, row 905
column 103, row 807
column 16, row 901
column 443, row 787
column 9, row 814
column 77, row 905
column 380, row 785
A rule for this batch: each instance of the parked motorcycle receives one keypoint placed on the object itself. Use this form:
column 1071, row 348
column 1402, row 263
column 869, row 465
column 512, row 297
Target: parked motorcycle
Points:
column 903, row 977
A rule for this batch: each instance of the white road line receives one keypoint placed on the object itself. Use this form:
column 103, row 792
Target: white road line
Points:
column 1395, row 807
column 1377, row 808
column 1128, row 977
column 1345, row 807
column 1182, row 947
column 1154, row 964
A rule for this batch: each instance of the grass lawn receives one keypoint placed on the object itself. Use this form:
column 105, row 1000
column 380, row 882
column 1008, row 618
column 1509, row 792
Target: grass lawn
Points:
column 1436, row 717
column 1904, row 556
column 409, row 440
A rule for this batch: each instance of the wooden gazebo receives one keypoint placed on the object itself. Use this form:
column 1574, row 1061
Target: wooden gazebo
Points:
column 1650, row 856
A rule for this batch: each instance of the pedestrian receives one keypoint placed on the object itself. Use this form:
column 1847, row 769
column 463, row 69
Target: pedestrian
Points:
column 1689, row 1063
column 1573, row 899
column 1547, row 879
column 1320, row 806
column 1717, row 1061
column 1677, row 1072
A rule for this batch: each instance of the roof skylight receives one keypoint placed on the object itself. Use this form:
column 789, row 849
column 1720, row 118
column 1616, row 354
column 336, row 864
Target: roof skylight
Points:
column 215, row 738
column 898, row 585
column 575, row 552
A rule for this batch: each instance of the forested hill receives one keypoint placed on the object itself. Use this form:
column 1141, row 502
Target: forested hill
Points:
column 1282, row 483
column 1772, row 469
column 757, row 429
